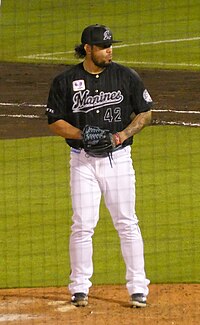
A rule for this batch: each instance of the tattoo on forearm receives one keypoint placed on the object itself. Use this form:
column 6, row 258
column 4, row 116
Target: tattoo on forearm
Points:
column 139, row 122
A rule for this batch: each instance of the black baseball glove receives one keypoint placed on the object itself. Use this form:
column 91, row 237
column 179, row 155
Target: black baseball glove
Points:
column 97, row 141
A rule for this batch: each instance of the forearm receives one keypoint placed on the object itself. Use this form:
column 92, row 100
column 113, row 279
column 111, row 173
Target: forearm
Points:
column 138, row 123
column 65, row 130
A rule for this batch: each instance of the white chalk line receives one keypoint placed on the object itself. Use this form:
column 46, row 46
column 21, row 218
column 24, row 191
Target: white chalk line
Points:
column 52, row 56
column 161, row 42
column 167, row 64
column 33, row 116
column 177, row 123
column 20, row 116
column 119, row 46
column 22, row 104
column 43, row 105
column 175, row 111
column 150, row 63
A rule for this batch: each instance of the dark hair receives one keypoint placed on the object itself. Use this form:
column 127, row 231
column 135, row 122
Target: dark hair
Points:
column 80, row 51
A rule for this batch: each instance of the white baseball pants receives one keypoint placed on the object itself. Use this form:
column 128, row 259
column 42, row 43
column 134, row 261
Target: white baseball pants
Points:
column 115, row 180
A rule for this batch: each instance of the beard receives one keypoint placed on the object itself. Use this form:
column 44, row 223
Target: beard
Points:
column 100, row 64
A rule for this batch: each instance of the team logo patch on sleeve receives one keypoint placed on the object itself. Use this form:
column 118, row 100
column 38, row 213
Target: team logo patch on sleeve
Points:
column 78, row 85
column 146, row 96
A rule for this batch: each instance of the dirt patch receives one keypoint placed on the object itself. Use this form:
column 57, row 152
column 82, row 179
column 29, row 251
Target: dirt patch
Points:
column 27, row 85
column 24, row 91
column 108, row 305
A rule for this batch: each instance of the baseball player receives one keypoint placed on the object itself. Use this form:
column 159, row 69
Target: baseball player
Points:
column 97, row 106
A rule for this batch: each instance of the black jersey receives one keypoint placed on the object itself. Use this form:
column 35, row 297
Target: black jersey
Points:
column 106, row 100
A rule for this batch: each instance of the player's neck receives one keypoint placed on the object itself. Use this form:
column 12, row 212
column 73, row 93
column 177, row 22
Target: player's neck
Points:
column 92, row 68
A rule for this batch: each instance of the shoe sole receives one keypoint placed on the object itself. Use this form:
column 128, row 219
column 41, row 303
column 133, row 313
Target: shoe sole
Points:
column 138, row 304
column 81, row 303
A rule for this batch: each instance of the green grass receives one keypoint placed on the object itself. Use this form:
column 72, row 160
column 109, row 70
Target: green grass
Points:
column 47, row 30
column 35, row 210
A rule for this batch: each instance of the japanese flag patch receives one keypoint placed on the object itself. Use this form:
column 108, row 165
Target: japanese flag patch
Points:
column 78, row 85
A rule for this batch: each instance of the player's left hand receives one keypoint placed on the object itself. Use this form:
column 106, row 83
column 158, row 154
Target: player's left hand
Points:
column 99, row 141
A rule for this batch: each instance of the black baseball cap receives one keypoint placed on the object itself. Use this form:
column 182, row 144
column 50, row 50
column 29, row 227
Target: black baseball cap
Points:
column 97, row 34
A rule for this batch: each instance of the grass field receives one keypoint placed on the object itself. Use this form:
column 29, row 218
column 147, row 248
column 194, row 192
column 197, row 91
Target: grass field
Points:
column 155, row 34
column 35, row 206
column 36, row 211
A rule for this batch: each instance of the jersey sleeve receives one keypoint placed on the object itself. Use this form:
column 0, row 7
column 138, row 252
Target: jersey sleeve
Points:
column 56, row 102
column 139, row 95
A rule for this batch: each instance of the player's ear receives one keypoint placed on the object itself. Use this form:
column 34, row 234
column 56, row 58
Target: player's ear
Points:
column 87, row 48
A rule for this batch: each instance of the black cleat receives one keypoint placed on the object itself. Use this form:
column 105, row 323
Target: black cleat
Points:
column 138, row 300
column 79, row 299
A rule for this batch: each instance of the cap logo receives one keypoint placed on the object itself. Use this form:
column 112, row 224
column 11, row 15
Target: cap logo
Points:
column 107, row 35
